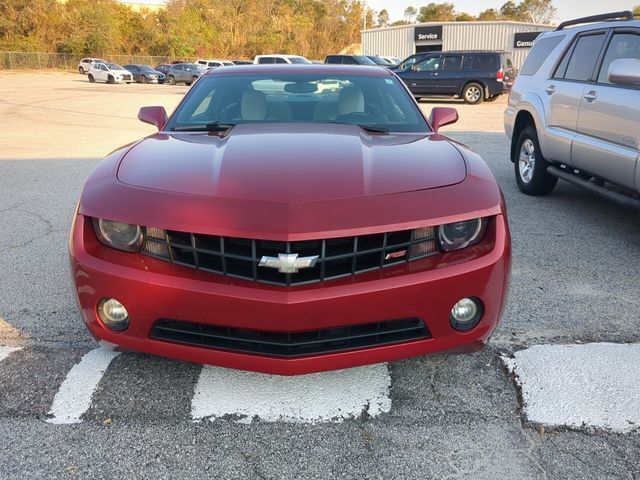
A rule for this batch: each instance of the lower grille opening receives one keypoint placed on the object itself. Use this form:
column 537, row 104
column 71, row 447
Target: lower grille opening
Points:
column 291, row 344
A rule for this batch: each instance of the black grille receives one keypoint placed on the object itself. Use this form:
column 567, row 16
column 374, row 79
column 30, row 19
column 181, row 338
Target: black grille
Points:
column 337, row 257
column 291, row 344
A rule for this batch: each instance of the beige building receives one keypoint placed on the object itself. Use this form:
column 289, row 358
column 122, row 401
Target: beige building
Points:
column 402, row 41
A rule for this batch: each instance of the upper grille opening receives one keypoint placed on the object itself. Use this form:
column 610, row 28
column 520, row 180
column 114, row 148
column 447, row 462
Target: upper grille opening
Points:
column 337, row 257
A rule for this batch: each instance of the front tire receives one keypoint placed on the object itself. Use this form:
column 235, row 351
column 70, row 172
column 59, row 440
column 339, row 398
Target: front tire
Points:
column 92, row 79
column 143, row 79
column 111, row 80
column 473, row 93
column 172, row 80
column 530, row 166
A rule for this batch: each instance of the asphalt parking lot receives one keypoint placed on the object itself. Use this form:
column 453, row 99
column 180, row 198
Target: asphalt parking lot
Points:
column 575, row 282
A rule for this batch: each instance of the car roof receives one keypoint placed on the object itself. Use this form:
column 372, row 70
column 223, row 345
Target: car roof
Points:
column 324, row 68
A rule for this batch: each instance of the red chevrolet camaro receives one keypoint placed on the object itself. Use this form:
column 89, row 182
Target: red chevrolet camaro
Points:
column 292, row 219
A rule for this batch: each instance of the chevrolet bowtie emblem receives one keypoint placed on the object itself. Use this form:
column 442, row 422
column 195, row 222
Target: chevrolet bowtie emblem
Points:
column 288, row 262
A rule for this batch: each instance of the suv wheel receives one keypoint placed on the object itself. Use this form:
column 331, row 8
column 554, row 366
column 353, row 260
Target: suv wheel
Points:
column 91, row 78
column 172, row 80
column 111, row 80
column 473, row 93
column 530, row 166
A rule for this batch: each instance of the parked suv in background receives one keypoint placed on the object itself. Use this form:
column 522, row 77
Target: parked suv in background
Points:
column 86, row 63
column 473, row 76
column 574, row 111
column 349, row 60
column 186, row 73
column 279, row 58
column 215, row 63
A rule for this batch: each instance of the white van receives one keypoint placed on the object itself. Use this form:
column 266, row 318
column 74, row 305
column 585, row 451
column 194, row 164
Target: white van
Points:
column 215, row 63
column 278, row 58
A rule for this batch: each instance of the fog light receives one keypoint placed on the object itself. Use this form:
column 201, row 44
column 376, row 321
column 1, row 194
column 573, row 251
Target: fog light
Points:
column 113, row 314
column 466, row 314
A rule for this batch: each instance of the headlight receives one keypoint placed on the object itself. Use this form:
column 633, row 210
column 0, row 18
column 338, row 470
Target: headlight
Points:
column 455, row 236
column 118, row 235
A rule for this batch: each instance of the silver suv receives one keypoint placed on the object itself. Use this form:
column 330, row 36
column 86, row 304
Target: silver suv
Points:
column 574, row 110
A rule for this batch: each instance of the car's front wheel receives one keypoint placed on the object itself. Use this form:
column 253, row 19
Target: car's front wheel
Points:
column 530, row 166
column 143, row 79
column 172, row 80
column 473, row 93
column 92, row 78
column 110, row 79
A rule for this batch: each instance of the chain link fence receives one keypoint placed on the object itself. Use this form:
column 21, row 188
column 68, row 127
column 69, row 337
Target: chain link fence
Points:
column 62, row 61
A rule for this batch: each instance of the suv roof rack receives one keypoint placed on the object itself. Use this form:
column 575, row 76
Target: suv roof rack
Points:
column 624, row 15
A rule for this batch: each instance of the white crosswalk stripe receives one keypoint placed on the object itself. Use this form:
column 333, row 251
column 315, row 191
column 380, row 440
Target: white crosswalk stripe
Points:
column 73, row 398
column 6, row 351
column 319, row 397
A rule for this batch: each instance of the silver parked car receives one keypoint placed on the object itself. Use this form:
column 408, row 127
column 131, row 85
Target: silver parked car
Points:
column 574, row 110
column 186, row 73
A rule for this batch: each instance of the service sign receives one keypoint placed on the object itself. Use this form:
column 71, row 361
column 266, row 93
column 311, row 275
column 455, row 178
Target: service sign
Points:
column 524, row 39
column 428, row 33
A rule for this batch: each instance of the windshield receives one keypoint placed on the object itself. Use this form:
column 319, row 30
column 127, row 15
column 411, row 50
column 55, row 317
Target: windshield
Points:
column 114, row 66
column 299, row 60
column 148, row 69
column 378, row 103
column 362, row 60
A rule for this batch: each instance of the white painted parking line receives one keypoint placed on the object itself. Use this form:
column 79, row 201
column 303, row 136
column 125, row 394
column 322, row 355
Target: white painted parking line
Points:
column 6, row 351
column 595, row 385
column 319, row 397
column 74, row 396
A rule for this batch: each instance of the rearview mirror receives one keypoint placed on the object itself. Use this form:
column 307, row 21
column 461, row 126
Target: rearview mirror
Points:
column 441, row 116
column 154, row 115
column 625, row 71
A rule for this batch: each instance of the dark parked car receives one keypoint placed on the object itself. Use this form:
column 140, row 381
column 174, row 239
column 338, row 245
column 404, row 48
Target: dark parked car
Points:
column 349, row 60
column 242, row 62
column 472, row 76
column 186, row 73
column 380, row 61
column 145, row 74
column 163, row 68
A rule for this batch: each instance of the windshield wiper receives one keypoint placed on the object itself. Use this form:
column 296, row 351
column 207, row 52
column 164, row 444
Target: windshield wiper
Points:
column 207, row 127
column 366, row 128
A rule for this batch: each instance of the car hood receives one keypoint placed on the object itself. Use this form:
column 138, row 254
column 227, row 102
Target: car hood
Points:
column 287, row 163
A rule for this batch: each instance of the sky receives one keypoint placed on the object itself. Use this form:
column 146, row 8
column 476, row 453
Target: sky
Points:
column 567, row 9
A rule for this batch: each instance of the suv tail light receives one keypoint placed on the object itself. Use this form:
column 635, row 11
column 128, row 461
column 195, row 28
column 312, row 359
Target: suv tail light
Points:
column 500, row 75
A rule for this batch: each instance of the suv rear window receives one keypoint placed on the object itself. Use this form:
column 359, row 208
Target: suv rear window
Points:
column 485, row 62
column 539, row 53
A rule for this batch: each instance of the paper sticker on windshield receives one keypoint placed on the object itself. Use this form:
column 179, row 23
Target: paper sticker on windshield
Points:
column 389, row 81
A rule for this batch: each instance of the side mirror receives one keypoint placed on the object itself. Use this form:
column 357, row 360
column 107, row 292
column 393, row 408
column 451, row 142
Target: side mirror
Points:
column 625, row 71
column 441, row 116
column 154, row 115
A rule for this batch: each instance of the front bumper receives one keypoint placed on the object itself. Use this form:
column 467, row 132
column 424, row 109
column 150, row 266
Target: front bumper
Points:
column 152, row 289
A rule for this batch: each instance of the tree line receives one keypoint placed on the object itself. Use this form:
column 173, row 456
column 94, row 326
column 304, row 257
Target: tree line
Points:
column 219, row 28
column 185, row 28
